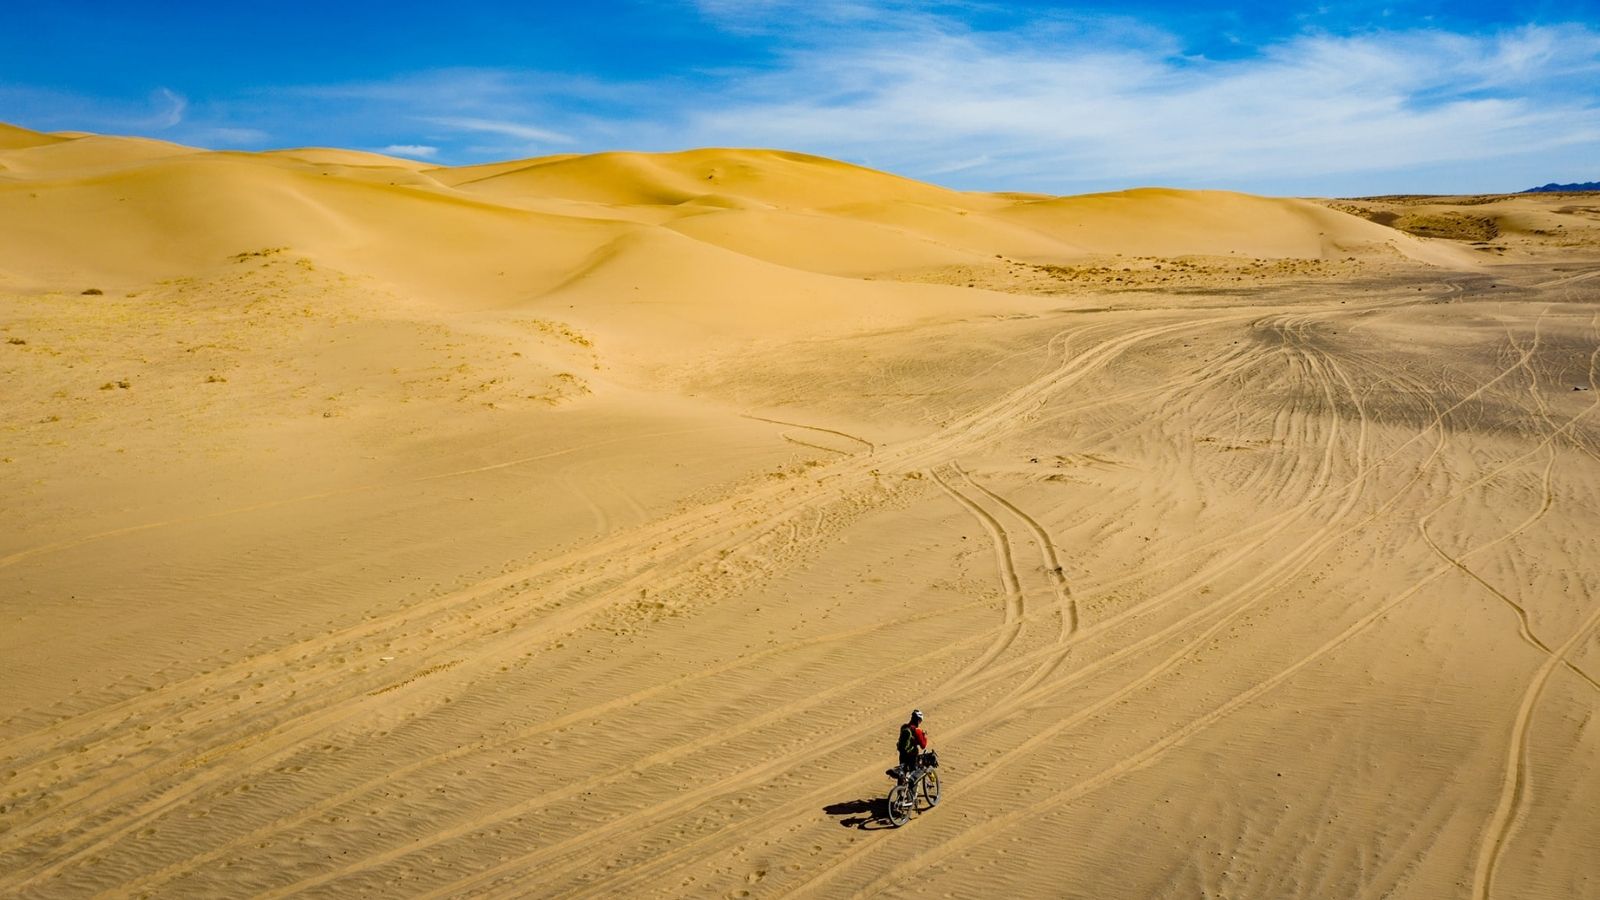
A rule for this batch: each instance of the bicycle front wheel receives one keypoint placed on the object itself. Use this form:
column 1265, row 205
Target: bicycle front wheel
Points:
column 930, row 788
column 900, row 803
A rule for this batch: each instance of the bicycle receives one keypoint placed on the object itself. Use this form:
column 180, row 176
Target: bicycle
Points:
column 921, row 786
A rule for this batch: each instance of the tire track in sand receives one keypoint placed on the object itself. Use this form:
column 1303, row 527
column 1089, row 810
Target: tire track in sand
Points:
column 538, row 859
column 499, row 742
column 285, row 736
column 675, row 530
column 1524, row 626
column 975, row 425
column 1014, row 619
column 1066, row 605
column 655, row 871
column 1109, row 354
column 1511, row 794
column 1242, row 598
column 1515, row 785
column 1010, row 585
column 1158, row 749
column 871, row 447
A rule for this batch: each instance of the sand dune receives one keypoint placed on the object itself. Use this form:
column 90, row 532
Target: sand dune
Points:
column 115, row 208
column 1176, row 223
column 762, row 177
column 330, row 156
column 14, row 138
column 585, row 526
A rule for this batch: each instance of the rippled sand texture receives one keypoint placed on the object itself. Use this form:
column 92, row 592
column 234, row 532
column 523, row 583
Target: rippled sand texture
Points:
column 586, row 526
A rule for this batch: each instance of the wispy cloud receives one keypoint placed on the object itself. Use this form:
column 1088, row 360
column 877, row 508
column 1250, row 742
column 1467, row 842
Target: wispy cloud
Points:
column 1080, row 110
column 505, row 128
column 226, row 136
column 171, row 108
column 959, row 165
column 464, row 114
column 416, row 151
column 975, row 95
column 56, row 109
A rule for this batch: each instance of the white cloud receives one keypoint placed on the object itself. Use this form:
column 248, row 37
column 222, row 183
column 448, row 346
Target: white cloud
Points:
column 1045, row 103
column 1030, row 101
column 225, row 136
column 172, row 114
column 1082, row 110
column 419, row 151
column 959, row 165
column 501, row 127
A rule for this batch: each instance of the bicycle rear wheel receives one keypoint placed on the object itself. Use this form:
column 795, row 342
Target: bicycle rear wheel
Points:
column 930, row 788
column 900, row 804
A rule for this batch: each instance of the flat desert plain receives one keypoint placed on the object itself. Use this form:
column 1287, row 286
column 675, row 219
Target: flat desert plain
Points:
column 586, row 527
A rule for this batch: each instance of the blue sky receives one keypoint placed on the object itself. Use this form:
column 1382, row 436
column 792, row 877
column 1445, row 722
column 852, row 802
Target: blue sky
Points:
column 1278, row 98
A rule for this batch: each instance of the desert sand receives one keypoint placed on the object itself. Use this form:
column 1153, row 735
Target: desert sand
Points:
column 586, row 526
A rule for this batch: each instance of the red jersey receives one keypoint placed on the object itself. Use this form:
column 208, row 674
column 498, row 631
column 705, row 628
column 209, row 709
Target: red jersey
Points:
column 911, row 738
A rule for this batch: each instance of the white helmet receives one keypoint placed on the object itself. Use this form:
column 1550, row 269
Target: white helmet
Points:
column 916, row 715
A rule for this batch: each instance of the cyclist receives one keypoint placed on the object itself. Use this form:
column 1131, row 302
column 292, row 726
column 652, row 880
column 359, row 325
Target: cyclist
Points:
column 913, row 740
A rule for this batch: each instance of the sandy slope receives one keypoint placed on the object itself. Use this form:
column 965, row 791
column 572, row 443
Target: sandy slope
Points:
column 585, row 526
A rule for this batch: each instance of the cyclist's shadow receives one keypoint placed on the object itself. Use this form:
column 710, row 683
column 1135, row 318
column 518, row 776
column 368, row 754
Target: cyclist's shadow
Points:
column 867, row 815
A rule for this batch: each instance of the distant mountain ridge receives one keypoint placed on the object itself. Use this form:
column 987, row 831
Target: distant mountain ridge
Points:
column 1554, row 188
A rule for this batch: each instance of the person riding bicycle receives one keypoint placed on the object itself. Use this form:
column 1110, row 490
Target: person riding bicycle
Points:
column 913, row 740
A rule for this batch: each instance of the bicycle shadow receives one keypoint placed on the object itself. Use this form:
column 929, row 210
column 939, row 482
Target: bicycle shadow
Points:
column 866, row 815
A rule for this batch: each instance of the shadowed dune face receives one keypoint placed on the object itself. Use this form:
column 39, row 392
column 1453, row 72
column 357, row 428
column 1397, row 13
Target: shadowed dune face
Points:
column 587, row 525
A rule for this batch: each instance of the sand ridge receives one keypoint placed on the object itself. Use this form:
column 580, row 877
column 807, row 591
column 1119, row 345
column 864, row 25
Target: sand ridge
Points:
column 585, row 526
